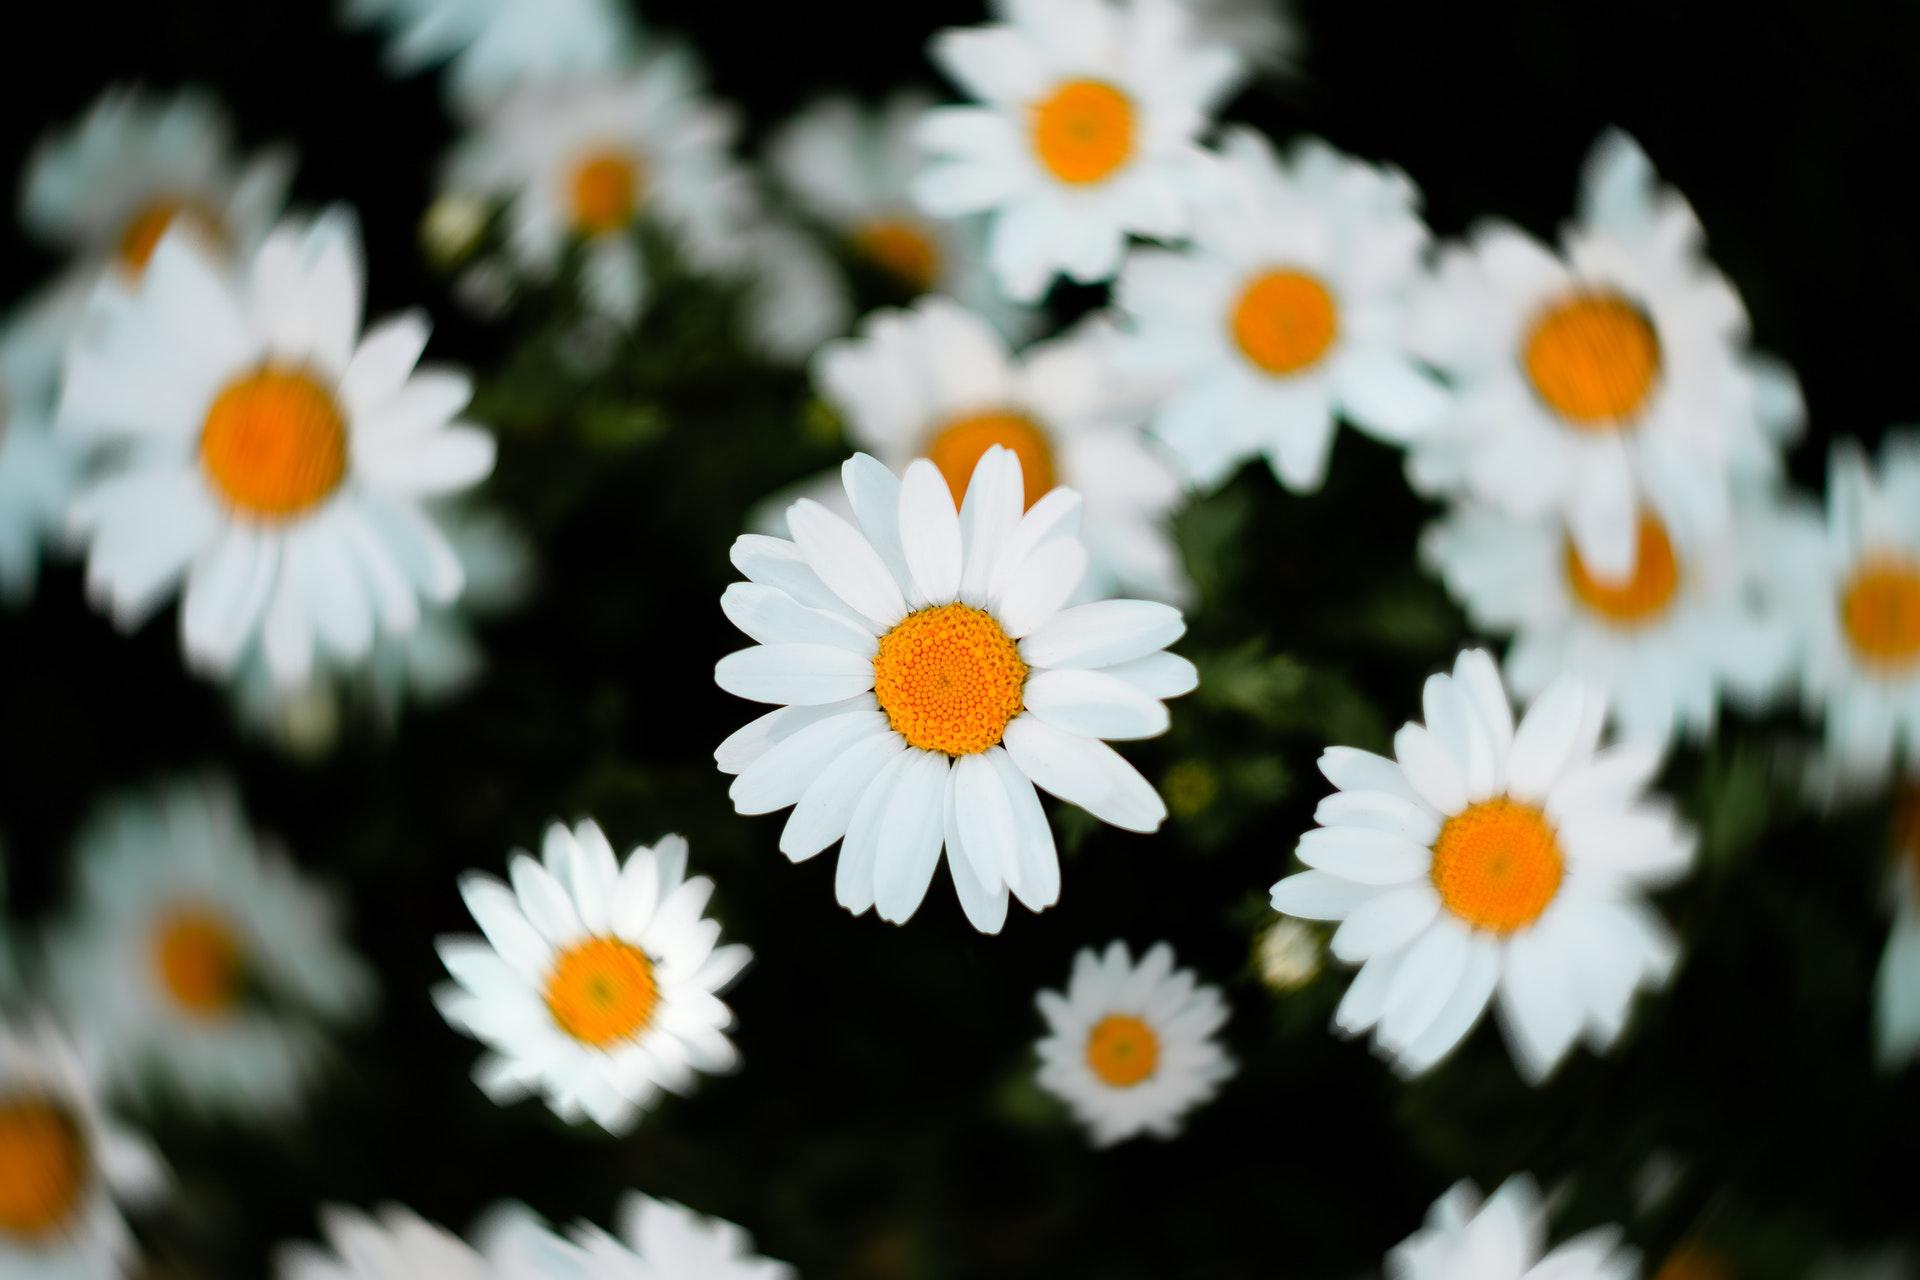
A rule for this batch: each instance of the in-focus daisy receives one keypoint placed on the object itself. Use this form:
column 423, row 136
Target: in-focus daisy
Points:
column 65, row 1167
column 39, row 468
column 275, row 462
column 598, row 982
column 396, row 1244
column 497, row 46
column 1088, row 132
column 1505, row 1238
column 660, row 1240
column 197, row 958
column 1896, row 987
column 1131, row 1048
column 1664, row 641
column 928, row 678
column 1492, row 863
column 138, row 166
column 1286, row 312
column 588, row 162
column 936, row 381
column 1613, row 376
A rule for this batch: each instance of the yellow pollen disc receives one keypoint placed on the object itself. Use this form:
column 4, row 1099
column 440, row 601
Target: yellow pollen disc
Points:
column 1123, row 1050
column 1285, row 321
column 606, row 191
column 1497, row 865
column 956, row 448
column 1690, row 1262
column 44, row 1168
column 1881, row 612
column 1593, row 358
column 949, row 679
column 144, row 231
column 274, row 443
column 199, row 959
column 902, row 248
column 1083, row 131
column 602, row 991
column 1638, row 598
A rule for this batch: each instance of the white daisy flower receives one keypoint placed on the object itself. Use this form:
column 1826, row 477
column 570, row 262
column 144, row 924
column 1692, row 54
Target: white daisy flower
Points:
column 1265, row 32
column 1896, row 986
column 588, row 162
column 1286, row 312
column 198, row 958
column 598, row 983
column 1664, row 642
column 793, row 296
column 660, row 1240
column 1488, row 863
column 275, row 461
column 65, row 1167
column 928, row 677
column 1505, row 1239
column 39, row 469
column 1131, row 1048
column 136, row 167
column 397, row 1244
column 937, row 381
column 1613, row 376
column 497, row 46
column 1089, row 131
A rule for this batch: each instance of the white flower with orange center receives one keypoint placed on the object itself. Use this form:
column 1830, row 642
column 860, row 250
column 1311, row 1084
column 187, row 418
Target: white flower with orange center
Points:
column 497, row 46
column 1487, row 863
column 1896, row 986
column 661, row 1240
column 1611, row 377
column 1505, row 1238
column 1287, row 312
column 39, row 468
column 929, row 675
column 199, row 963
column 1131, row 1049
column 936, row 381
column 597, row 984
column 1089, row 132
column 274, row 464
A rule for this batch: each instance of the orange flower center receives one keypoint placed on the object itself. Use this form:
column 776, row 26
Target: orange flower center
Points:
column 1881, row 612
column 602, row 991
column 1497, row 865
column 606, row 191
column 1285, row 321
column 1642, row 595
column 1084, row 131
column 1123, row 1050
column 1593, row 358
column 902, row 248
column 956, row 449
column 44, row 1167
column 144, row 231
column 274, row 443
column 949, row 679
column 198, row 958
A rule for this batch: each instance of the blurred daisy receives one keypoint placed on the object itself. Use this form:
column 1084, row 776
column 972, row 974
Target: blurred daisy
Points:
column 1287, row 311
column 1896, row 987
column 936, row 381
column 198, row 958
column 587, row 162
column 794, row 298
column 396, row 1245
column 1089, row 132
column 1505, row 1239
column 1612, row 377
column 496, row 46
column 928, row 678
column 138, row 166
column 1131, row 1048
column 598, row 983
column 276, row 461
column 1488, row 863
column 39, row 469
column 1664, row 641
column 661, row 1240
column 65, row 1168
column 1265, row 32
column 1289, row 955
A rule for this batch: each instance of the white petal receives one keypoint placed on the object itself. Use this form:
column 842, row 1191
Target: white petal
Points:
column 910, row 837
column 846, row 562
column 1103, row 634
column 1085, row 772
column 799, row 674
column 1094, row 704
column 930, row 532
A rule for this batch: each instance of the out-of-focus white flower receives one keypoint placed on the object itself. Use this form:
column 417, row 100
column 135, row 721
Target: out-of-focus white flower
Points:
column 794, row 296
column 498, row 46
column 660, row 1240
column 1505, row 1239
column 39, row 468
column 395, row 1244
column 1896, row 987
column 1264, row 32
column 1290, row 955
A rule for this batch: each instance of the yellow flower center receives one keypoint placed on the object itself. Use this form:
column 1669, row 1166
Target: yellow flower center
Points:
column 602, row 991
column 606, row 191
column 274, row 443
column 144, row 231
column 956, row 449
column 198, row 958
column 1123, row 1050
column 1881, row 612
column 1497, row 865
column 1691, row 1262
column 949, row 679
column 1084, row 131
column 902, row 248
column 1285, row 321
column 44, row 1168
column 1642, row 595
column 1593, row 358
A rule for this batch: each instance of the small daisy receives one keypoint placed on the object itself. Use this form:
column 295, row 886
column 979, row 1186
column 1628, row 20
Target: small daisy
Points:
column 65, row 1168
column 39, row 469
column 936, row 381
column 1505, row 1239
column 136, row 167
column 1287, row 311
column 1131, row 1048
column 661, row 1240
column 199, row 959
column 1492, row 863
column 1089, row 132
column 1896, row 987
column 1614, row 376
column 598, row 983
column 928, row 678
column 497, row 46
column 395, row 1245
column 277, row 461
column 1664, row 642
column 588, row 162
